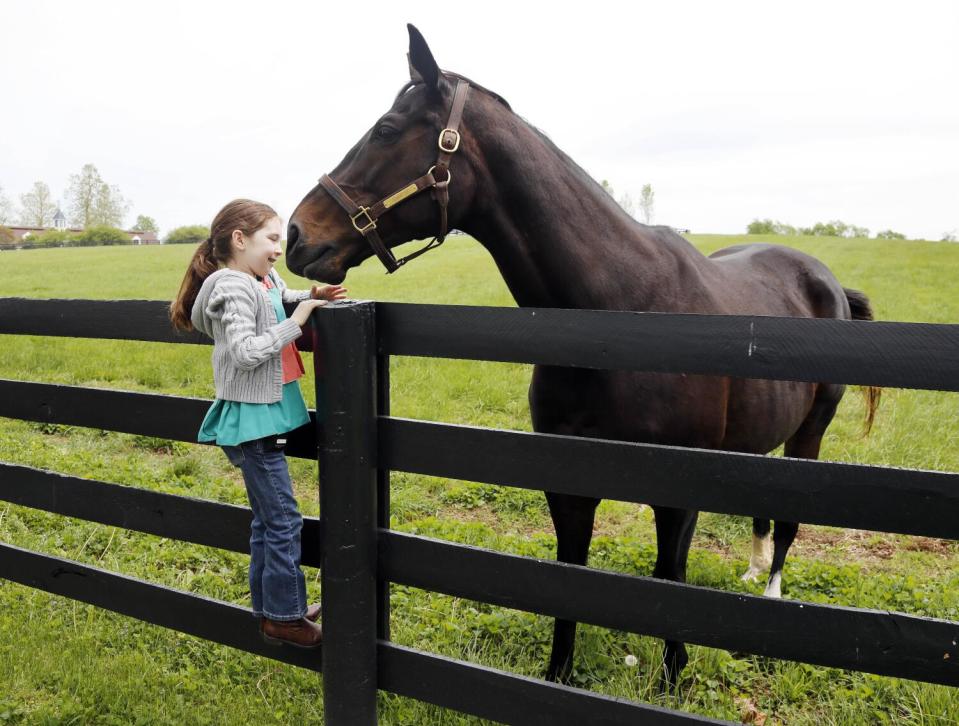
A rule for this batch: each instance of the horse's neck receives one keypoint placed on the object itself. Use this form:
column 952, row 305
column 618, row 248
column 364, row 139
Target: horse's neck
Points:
column 557, row 237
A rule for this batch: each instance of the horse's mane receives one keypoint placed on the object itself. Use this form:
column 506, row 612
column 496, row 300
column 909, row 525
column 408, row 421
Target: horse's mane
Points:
column 410, row 85
column 569, row 161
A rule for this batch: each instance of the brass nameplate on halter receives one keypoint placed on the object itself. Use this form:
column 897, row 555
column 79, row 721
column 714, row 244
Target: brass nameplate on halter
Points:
column 399, row 196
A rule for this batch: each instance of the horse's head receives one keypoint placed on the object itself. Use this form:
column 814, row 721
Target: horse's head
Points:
column 393, row 185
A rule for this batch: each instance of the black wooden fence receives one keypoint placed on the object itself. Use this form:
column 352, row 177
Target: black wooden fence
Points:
column 360, row 443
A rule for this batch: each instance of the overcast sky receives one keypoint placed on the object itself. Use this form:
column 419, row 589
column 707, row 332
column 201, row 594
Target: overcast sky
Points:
column 802, row 112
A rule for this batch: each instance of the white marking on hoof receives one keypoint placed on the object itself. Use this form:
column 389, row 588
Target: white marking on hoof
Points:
column 774, row 588
column 751, row 575
column 760, row 559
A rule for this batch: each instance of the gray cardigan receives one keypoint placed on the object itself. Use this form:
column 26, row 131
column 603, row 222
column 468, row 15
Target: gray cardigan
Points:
column 235, row 310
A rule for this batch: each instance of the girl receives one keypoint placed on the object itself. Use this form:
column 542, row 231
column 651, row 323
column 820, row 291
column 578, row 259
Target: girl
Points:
column 232, row 294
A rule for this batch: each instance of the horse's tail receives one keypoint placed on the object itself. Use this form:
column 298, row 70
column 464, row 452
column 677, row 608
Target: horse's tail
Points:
column 861, row 310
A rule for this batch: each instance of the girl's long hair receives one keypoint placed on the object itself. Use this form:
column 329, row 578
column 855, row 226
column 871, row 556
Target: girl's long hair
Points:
column 242, row 214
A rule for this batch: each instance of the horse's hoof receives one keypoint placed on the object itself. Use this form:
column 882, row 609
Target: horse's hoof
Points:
column 750, row 575
column 774, row 588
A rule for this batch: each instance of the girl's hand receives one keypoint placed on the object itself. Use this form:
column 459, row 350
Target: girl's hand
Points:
column 303, row 310
column 328, row 292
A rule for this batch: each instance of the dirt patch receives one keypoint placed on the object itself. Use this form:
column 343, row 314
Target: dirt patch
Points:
column 854, row 545
column 929, row 544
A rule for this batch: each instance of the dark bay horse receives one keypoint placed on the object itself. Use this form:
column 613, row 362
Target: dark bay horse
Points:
column 561, row 241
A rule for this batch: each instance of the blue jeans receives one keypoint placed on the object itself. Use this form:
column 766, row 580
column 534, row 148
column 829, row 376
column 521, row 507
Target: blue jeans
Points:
column 277, row 585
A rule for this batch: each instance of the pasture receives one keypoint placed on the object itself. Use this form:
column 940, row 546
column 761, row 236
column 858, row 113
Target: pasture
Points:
column 66, row 662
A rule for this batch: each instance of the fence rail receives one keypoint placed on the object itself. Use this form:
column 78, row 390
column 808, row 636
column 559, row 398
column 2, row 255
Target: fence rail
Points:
column 359, row 443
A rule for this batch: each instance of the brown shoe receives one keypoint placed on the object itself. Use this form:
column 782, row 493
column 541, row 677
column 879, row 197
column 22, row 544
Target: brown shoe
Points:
column 302, row 633
column 313, row 613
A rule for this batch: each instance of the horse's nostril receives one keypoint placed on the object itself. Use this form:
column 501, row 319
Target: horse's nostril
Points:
column 292, row 235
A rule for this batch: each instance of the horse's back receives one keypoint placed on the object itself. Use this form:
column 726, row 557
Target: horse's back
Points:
column 767, row 279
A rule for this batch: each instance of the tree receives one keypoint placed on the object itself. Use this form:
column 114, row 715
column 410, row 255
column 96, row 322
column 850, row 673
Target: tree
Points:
column 889, row 234
column 37, row 206
column 6, row 209
column 93, row 202
column 827, row 229
column 6, row 236
column 646, row 197
column 950, row 236
column 189, row 235
column 146, row 224
column 782, row 228
column 761, row 226
column 626, row 202
column 608, row 188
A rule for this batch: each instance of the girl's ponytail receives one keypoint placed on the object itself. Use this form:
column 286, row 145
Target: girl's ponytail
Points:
column 202, row 265
column 244, row 215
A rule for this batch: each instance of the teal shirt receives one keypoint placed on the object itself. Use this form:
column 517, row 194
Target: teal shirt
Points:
column 230, row 423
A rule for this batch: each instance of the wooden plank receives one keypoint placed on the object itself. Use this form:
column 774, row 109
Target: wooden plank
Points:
column 348, row 498
column 453, row 684
column 143, row 320
column 187, row 519
column 907, row 355
column 196, row 615
column 884, row 643
column 879, row 498
column 507, row 698
column 148, row 414
column 904, row 355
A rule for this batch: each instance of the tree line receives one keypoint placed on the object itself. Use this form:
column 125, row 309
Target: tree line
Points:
column 834, row 228
column 88, row 202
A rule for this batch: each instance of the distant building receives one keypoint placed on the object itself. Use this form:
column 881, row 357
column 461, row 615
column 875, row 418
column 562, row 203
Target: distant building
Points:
column 22, row 235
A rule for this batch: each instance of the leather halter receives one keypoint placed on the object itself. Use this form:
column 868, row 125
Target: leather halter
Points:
column 364, row 218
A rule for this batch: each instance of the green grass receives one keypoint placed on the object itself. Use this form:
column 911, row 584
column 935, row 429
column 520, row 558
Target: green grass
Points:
column 63, row 662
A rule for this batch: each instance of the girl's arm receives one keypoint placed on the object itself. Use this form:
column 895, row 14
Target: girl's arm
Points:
column 247, row 349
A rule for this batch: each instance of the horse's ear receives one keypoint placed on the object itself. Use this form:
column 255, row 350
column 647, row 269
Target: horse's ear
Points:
column 422, row 66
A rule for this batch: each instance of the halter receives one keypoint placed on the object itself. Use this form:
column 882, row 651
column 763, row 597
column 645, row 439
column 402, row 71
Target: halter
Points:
column 364, row 218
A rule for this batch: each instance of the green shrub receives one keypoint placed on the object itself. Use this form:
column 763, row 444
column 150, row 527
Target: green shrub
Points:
column 52, row 238
column 189, row 235
column 100, row 235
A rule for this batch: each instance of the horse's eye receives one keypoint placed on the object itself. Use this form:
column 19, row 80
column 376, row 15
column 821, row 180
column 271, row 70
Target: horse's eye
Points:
column 385, row 133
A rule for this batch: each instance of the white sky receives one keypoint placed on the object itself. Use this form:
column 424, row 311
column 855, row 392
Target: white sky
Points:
column 801, row 112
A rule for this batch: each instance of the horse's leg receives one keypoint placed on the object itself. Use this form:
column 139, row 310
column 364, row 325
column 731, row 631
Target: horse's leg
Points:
column 573, row 519
column 762, row 555
column 674, row 531
column 804, row 444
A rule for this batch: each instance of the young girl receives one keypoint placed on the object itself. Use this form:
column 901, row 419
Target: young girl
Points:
column 232, row 294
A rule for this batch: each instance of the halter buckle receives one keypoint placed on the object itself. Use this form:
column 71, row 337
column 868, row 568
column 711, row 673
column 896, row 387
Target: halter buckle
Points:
column 446, row 144
column 370, row 222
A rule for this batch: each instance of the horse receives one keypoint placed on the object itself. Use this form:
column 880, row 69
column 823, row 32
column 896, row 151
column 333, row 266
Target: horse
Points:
column 561, row 241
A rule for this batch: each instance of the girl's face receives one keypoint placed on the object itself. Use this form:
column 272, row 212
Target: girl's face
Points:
column 257, row 254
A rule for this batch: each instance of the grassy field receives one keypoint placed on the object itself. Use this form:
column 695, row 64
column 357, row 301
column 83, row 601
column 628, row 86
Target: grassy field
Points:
column 62, row 662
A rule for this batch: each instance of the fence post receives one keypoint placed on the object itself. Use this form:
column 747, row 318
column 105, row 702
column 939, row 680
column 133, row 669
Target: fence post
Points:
column 383, row 494
column 346, row 366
